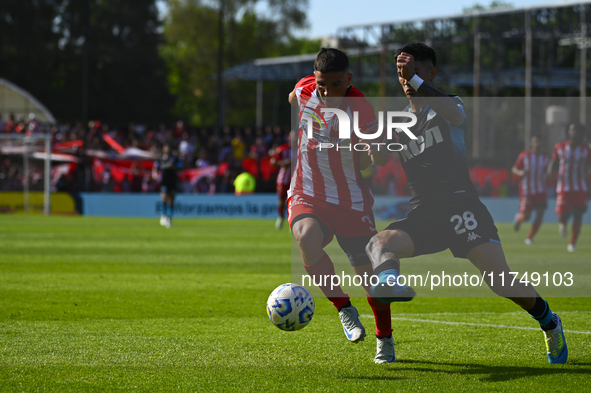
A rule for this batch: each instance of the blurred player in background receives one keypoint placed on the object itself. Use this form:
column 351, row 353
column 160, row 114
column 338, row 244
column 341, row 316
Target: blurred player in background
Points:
column 571, row 158
column 446, row 211
column 282, row 159
column 168, row 165
column 531, row 166
column 328, row 196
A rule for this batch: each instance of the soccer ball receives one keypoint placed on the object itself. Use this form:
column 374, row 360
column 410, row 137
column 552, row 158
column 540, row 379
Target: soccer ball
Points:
column 290, row 307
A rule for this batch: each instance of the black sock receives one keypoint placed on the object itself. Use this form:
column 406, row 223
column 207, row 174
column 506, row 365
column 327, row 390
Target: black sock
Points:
column 387, row 265
column 541, row 312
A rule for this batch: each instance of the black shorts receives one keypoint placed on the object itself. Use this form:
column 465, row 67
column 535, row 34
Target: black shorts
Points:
column 168, row 187
column 459, row 225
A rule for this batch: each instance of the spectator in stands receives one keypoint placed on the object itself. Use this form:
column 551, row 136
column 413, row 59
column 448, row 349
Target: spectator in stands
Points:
column 238, row 146
column 248, row 138
column 9, row 125
column 226, row 149
column 186, row 150
column 268, row 137
column 258, row 150
column 203, row 160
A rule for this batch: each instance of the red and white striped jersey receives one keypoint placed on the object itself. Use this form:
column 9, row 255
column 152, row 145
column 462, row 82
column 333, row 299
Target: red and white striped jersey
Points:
column 573, row 166
column 329, row 174
column 535, row 166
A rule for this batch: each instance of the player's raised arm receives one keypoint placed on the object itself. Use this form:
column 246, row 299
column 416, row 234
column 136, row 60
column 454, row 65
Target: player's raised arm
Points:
column 416, row 77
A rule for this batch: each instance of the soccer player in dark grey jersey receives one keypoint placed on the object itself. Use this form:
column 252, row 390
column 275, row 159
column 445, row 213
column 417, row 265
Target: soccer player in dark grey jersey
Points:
column 168, row 165
column 445, row 209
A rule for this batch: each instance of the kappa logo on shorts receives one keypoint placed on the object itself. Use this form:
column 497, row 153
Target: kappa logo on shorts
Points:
column 472, row 236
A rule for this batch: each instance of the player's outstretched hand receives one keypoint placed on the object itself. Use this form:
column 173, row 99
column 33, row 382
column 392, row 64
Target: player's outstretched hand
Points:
column 406, row 65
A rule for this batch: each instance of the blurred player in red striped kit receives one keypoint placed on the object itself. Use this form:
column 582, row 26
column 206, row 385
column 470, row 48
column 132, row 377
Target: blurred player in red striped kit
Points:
column 531, row 166
column 282, row 159
column 571, row 158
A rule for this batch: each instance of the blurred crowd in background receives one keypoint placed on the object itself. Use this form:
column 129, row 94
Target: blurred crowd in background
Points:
column 119, row 159
column 101, row 158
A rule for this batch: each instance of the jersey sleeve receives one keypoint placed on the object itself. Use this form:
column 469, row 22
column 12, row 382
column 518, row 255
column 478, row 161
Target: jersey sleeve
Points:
column 519, row 162
column 460, row 103
column 304, row 87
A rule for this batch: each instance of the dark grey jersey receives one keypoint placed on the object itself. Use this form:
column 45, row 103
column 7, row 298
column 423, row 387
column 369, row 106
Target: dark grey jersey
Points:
column 435, row 162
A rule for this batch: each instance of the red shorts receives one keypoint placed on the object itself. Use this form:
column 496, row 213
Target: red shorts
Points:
column 282, row 191
column 339, row 221
column 566, row 201
column 530, row 202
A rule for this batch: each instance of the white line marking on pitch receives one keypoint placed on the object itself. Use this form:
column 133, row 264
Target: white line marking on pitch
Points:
column 472, row 324
column 485, row 313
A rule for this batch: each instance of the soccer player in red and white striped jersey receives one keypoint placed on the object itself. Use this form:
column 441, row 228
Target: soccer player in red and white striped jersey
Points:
column 531, row 166
column 328, row 196
column 572, row 158
column 282, row 159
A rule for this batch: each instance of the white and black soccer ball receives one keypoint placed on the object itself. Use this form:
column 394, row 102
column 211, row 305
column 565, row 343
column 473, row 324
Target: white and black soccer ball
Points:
column 290, row 307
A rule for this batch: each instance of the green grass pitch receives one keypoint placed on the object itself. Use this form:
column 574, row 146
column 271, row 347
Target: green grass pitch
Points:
column 106, row 305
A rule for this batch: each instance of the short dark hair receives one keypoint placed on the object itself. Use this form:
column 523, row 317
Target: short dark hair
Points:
column 419, row 51
column 331, row 60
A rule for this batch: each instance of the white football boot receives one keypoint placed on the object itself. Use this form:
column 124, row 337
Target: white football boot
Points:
column 353, row 328
column 385, row 350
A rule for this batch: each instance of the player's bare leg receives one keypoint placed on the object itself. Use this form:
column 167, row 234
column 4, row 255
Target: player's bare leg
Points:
column 164, row 216
column 280, row 213
column 577, row 223
column 310, row 237
column 308, row 233
column 169, row 200
column 384, row 251
column 563, row 222
column 535, row 225
column 490, row 258
column 519, row 218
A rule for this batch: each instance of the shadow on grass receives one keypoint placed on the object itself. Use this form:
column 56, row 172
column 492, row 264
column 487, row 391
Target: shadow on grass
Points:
column 495, row 373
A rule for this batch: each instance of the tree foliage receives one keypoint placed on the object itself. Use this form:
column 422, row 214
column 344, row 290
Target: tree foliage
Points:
column 192, row 42
column 42, row 49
